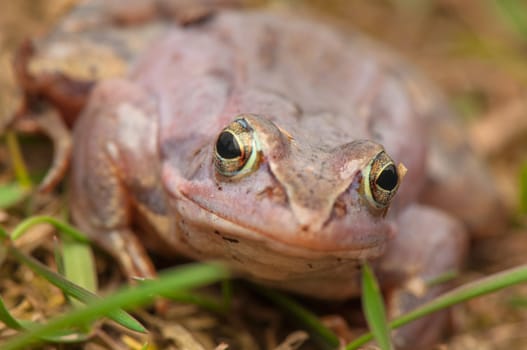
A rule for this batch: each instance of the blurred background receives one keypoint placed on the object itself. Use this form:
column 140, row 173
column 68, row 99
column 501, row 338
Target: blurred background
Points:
column 475, row 50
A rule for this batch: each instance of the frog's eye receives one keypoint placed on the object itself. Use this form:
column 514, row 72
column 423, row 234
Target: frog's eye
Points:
column 382, row 180
column 237, row 150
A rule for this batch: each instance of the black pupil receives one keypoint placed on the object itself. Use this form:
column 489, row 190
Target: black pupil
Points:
column 387, row 180
column 227, row 146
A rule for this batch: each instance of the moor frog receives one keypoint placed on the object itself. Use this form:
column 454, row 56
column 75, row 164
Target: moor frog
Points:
column 284, row 148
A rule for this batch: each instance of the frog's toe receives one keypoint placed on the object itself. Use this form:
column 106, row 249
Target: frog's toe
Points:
column 131, row 255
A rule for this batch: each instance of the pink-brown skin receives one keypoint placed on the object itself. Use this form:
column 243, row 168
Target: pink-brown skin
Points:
column 323, row 105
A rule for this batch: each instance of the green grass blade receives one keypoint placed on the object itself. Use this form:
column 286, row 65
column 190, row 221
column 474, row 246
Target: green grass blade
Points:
column 11, row 194
column 443, row 278
column 69, row 288
column 309, row 319
column 60, row 336
column 78, row 264
column 373, row 307
column 17, row 161
column 182, row 278
column 7, row 318
column 514, row 13
column 203, row 301
column 4, row 242
column 463, row 293
column 226, row 293
column 4, row 237
column 74, row 290
column 60, row 225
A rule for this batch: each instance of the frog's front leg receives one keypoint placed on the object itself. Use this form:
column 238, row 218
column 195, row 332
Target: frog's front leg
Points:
column 429, row 244
column 114, row 144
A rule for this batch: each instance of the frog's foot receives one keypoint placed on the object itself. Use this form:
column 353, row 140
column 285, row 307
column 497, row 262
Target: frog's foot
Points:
column 51, row 104
column 129, row 252
column 124, row 246
column 51, row 124
column 430, row 244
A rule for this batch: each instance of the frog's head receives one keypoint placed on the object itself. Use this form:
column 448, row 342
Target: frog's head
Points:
column 260, row 183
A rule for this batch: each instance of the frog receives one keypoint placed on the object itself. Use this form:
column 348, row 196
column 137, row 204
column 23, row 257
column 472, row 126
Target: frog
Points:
column 286, row 149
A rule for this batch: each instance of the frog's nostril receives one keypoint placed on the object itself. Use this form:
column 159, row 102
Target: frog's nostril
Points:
column 340, row 208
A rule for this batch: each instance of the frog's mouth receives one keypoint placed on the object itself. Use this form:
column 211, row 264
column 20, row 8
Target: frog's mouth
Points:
column 355, row 236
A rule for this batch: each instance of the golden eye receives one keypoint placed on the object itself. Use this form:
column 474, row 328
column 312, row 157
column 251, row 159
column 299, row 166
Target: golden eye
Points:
column 237, row 150
column 381, row 180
